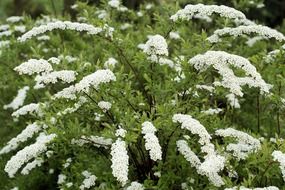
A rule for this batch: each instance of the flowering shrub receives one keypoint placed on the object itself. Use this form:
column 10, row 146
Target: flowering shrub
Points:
column 160, row 98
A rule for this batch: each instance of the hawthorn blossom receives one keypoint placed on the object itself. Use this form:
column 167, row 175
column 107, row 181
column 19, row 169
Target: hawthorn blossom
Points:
column 135, row 186
column 66, row 93
column 156, row 46
column 89, row 180
column 105, row 106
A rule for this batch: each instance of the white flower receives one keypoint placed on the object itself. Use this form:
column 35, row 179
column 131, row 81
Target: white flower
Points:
column 280, row 157
column 54, row 60
column 201, row 10
column 62, row 25
column 210, row 168
column 67, row 93
column 221, row 61
column 61, row 179
column 125, row 26
column 120, row 161
column 43, row 38
column 89, row 180
column 30, row 108
column 114, row 3
column 156, row 46
column 18, row 101
column 34, row 66
column 14, row 19
column 262, row 31
column 28, row 153
column 188, row 154
column 110, row 63
column 6, row 33
column 95, row 79
column 205, row 87
column 67, row 162
column 174, row 35
column 121, row 132
column 81, row 101
column 246, row 144
column 233, row 101
column 4, row 27
column 212, row 111
column 21, row 28
column 194, row 126
column 105, row 106
column 135, row 186
column 96, row 141
column 151, row 141
column 37, row 162
column 66, row 76
column 27, row 133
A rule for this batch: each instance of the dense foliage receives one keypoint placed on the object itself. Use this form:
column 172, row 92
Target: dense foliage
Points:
column 162, row 97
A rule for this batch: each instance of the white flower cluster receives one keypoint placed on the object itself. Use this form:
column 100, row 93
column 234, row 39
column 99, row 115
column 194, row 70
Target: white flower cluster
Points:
column 110, row 63
column 221, row 61
column 34, row 66
column 211, row 166
column 67, row 163
column 94, row 80
column 6, row 33
column 68, row 58
column 94, row 140
column 37, row 162
column 4, row 27
column 21, row 28
column 104, row 106
column 188, row 154
column 262, row 31
column 81, row 101
column 205, row 87
column 212, row 111
column 89, row 180
column 28, row 153
column 151, row 141
column 14, row 19
column 18, row 101
column 194, row 126
column 202, row 11
column 66, row 76
column 246, row 144
column 120, row 161
column 117, row 5
column 174, row 35
column 135, row 186
column 257, row 188
column 213, row 162
column 233, row 101
column 156, row 46
column 121, row 132
column 66, row 93
column 280, row 157
column 43, row 38
column 61, row 179
column 27, row 133
column 61, row 25
column 28, row 109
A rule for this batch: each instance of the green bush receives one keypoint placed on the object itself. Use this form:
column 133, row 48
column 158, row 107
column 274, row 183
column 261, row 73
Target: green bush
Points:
column 159, row 98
